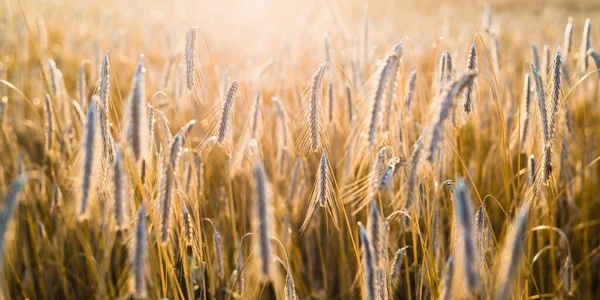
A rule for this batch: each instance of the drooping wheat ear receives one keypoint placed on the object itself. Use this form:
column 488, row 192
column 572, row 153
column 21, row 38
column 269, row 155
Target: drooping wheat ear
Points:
column 290, row 288
column 410, row 90
column 536, row 56
column 511, row 254
column 188, row 225
column 190, row 57
column 256, row 114
column 568, row 38
column 283, row 127
column 90, row 158
column 151, row 126
column 323, row 193
column 48, row 114
column 167, row 182
column 596, row 58
column 546, row 67
column 10, row 203
column 139, row 254
column 487, row 17
column 465, row 248
column 82, row 86
column 377, row 103
column 531, row 165
column 119, row 192
column 392, row 87
column 136, row 119
column 444, row 103
column 567, row 279
column 349, row 104
column 586, row 44
column 311, row 138
column 375, row 171
column 411, row 177
column 327, row 47
column 554, row 96
column 387, row 175
column 470, row 89
column 368, row 265
column 225, row 120
column 330, row 102
column 446, row 292
column 262, row 221
column 526, row 115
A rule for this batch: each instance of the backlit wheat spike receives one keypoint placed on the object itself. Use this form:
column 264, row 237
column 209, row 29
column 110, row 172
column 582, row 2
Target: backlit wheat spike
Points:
column 446, row 293
column 48, row 114
column 531, row 171
column 392, row 87
column 323, row 193
column 586, row 44
column 368, row 265
column 139, row 255
column 470, row 89
column 349, row 104
column 240, row 269
column 568, row 38
column 444, row 74
column 82, row 86
column 327, row 47
column 526, row 115
column 397, row 264
column 539, row 88
column 487, row 17
column 136, row 118
column 90, row 159
column 374, row 232
column 481, row 237
column 166, row 189
column 546, row 67
column 511, row 254
column 262, row 220
column 375, row 171
column 103, row 104
column 225, row 119
column 78, row 112
column 445, row 102
column 188, row 225
column 410, row 90
column 376, row 104
column 567, row 280
column 387, row 175
column 311, row 137
column 53, row 72
column 256, row 115
column 596, row 59
column 536, row 56
column 330, row 102
column 554, row 95
column 411, row 176
column 296, row 172
column 9, row 205
column 119, row 192
column 218, row 245
column 465, row 248
column 151, row 127
column 168, row 137
column 290, row 288
column 283, row 127
column 190, row 54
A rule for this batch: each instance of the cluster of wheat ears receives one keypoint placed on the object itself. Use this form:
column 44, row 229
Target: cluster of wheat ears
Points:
column 376, row 178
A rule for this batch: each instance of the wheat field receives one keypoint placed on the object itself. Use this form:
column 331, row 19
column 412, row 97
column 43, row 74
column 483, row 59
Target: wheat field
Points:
column 299, row 150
